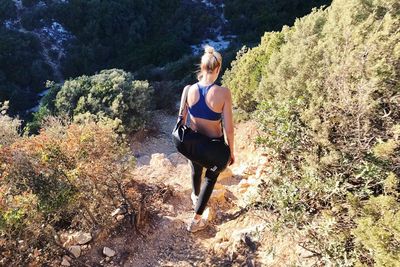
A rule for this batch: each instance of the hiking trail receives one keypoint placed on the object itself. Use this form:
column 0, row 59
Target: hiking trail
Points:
column 235, row 235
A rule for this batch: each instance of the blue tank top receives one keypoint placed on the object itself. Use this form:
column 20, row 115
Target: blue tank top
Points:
column 200, row 109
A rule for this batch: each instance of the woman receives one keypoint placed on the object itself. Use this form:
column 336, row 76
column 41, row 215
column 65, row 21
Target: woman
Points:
column 209, row 107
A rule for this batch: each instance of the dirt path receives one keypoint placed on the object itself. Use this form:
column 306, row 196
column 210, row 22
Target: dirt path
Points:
column 234, row 236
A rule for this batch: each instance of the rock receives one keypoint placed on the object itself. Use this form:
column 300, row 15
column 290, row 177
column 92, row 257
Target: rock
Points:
column 65, row 261
column 243, row 190
column 66, row 239
column 119, row 211
column 226, row 174
column 221, row 248
column 108, row 252
column 250, row 262
column 82, row 238
column 218, row 186
column 260, row 171
column 252, row 181
column 170, row 208
column 120, row 217
column 177, row 158
column 249, row 242
column 160, row 161
column 243, row 183
column 75, row 250
column 218, row 195
column 143, row 160
column 248, row 236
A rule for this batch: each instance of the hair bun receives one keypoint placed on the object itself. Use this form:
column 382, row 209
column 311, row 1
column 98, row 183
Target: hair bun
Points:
column 208, row 49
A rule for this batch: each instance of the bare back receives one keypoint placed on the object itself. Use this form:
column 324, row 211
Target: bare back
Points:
column 215, row 100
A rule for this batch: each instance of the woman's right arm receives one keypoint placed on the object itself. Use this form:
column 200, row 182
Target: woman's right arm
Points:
column 183, row 106
column 228, row 123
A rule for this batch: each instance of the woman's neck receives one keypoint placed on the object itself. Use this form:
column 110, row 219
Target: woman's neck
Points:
column 208, row 78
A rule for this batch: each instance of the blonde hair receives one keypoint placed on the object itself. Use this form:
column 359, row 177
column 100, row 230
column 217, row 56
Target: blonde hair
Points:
column 209, row 61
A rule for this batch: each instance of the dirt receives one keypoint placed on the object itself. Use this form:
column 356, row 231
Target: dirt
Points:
column 235, row 236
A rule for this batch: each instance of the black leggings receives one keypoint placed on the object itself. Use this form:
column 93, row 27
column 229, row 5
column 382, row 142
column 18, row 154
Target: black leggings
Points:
column 205, row 193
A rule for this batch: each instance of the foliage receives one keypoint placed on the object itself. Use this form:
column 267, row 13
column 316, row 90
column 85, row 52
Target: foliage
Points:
column 7, row 10
column 378, row 230
column 112, row 96
column 327, row 99
column 22, row 70
column 265, row 15
column 67, row 177
column 128, row 34
column 9, row 131
column 246, row 71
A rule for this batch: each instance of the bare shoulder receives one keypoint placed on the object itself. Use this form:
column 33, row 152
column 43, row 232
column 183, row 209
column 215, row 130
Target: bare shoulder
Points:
column 224, row 90
column 190, row 88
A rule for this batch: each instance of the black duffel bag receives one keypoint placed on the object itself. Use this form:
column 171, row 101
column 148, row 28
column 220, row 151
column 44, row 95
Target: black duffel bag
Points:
column 211, row 153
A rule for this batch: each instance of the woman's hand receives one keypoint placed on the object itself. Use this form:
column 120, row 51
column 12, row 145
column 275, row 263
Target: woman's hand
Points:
column 232, row 160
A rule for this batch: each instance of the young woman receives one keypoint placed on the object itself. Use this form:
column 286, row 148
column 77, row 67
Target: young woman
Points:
column 209, row 107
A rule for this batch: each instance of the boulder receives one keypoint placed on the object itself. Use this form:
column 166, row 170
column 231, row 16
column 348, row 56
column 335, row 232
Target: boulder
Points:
column 120, row 210
column 66, row 239
column 243, row 183
column 108, row 252
column 249, row 236
column 218, row 195
column 177, row 158
column 243, row 190
column 65, row 261
column 218, row 186
column 226, row 174
column 160, row 161
column 143, row 160
column 221, row 248
column 120, row 217
column 82, row 238
column 253, row 181
column 75, row 250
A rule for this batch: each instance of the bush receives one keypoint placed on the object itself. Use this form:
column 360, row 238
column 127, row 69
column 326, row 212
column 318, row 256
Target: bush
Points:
column 265, row 15
column 67, row 177
column 23, row 72
column 7, row 10
column 327, row 101
column 10, row 127
column 378, row 231
column 247, row 70
column 112, row 96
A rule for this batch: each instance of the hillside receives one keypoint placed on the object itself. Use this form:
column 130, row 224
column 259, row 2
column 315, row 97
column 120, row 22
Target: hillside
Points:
column 58, row 40
column 236, row 234
column 93, row 179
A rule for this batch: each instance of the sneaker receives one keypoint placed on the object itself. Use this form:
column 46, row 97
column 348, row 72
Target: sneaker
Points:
column 194, row 199
column 195, row 226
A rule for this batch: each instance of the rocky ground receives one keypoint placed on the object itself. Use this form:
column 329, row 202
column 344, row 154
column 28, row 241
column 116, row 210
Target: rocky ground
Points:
column 235, row 236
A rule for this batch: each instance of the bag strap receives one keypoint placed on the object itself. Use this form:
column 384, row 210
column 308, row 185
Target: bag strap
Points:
column 184, row 101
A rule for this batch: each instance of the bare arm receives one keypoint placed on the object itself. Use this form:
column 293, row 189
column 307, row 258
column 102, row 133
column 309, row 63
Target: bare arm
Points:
column 183, row 106
column 228, row 124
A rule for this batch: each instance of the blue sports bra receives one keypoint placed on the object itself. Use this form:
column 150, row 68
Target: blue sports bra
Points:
column 200, row 109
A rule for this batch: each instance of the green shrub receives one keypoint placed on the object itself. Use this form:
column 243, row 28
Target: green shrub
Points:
column 246, row 72
column 69, row 177
column 112, row 96
column 378, row 230
column 327, row 98
column 265, row 15
column 10, row 127
column 7, row 10
column 23, row 72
